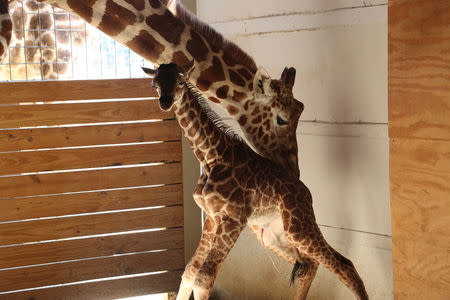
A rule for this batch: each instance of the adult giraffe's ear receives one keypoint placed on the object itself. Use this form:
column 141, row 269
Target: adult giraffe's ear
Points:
column 149, row 71
column 261, row 85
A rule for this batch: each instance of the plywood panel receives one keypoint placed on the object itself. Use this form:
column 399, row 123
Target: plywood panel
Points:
column 34, row 254
column 51, row 160
column 46, row 184
column 89, row 202
column 62, row 114
column 110, row 289
column 19, row 92
column 17, row 279
column 51, row 229
column 23, row 139
column 419, row 172
column 419, row 73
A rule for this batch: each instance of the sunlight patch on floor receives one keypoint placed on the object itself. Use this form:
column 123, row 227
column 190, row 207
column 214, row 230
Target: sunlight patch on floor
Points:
column 147, row 297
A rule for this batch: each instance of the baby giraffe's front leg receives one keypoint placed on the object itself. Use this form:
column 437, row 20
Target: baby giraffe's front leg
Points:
column 227, row 232
column 191, row 270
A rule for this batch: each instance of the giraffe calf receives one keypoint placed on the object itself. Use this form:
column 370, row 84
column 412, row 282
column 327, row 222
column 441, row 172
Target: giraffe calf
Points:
column 241, row 188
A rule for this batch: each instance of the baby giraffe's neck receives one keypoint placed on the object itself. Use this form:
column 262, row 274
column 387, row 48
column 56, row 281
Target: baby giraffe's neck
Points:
column 209, row 143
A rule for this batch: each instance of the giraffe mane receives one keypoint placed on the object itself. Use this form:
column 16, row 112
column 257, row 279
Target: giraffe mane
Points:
column 211, row 35
column 213, row 116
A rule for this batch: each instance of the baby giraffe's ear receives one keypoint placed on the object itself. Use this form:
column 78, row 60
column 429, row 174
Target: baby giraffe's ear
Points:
column 149, row 71
column 189, row 68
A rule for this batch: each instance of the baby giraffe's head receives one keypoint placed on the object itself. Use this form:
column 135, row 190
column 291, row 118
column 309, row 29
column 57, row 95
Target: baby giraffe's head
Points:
column 170, row 82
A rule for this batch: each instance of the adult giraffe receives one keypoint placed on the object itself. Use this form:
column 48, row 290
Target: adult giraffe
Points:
column 224, row 73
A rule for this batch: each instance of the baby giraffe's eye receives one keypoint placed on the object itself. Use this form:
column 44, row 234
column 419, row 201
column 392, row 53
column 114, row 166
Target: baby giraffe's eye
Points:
column 281, row 122
column 180, row 83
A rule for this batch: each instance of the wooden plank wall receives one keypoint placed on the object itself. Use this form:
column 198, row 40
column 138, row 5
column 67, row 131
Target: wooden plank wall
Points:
column 339, row 49
column 90, row 191
column 419, row 129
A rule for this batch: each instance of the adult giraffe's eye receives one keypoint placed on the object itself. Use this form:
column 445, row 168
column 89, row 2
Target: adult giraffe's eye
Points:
column 281, row 122
column 180, row 84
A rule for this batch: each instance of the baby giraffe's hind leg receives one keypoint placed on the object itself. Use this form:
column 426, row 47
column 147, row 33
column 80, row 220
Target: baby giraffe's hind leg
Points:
column 305, row 235
column 306, row 277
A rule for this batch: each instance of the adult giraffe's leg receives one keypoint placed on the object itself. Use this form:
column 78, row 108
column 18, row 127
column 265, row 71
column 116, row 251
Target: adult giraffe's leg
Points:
column 5, row 28
column 304, row 233
column 229, row 230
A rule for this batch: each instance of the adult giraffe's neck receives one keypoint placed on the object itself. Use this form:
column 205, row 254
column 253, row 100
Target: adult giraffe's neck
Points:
column 223, row 73
column 208, row 140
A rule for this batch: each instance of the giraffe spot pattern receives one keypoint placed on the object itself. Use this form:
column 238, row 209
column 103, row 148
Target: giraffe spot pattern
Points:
column 212, row 74
column 116, row 18
column 197, row 47
column 246, row 74
column 232, row 109
column 171, row 33
column 236, row 78
column 242, row 120
column 146, row 44
column 222, row 92
column 82, row 8
column 6, row 29
column 238, row 96
column 138, row 4
column 180, row 58
column 155, row 3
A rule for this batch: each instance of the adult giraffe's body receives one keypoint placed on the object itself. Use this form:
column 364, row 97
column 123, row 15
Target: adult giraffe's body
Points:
column 242, row 188
column 224, row 73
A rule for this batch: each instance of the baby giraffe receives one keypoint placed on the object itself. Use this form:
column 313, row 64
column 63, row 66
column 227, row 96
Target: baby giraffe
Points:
column 241, row 188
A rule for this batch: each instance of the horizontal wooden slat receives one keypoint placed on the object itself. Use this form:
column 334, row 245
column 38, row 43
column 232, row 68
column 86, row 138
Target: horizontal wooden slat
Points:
column 91, row 202
column 46, row 184
column 60, row 228
column 34, row 254
column 17, row 92
column 17, row 279
column 107, row 290
column 51, row 160
column 76, row 113
column 24, row 139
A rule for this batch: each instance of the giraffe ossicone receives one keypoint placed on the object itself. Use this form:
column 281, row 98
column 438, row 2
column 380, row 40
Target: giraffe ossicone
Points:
column 240, row 188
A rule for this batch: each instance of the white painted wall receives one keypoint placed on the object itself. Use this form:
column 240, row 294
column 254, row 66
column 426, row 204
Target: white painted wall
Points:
column 339, row 49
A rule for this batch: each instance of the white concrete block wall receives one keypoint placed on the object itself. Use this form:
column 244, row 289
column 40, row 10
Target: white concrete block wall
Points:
column 339, row 49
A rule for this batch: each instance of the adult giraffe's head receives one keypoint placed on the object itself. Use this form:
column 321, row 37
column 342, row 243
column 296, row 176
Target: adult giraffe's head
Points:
column 273, row 118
